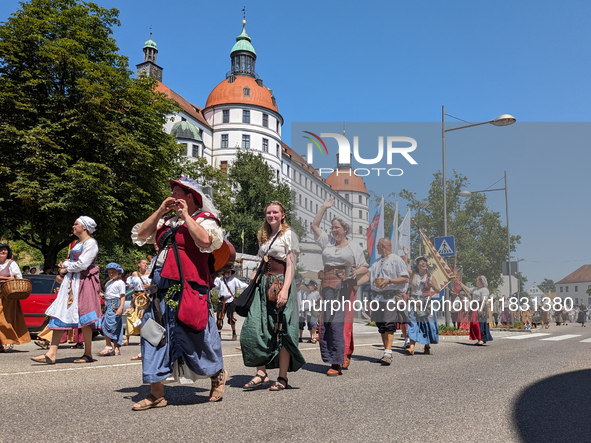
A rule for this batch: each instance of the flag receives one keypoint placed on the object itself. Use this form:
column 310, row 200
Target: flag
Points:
column 458, row 279
column 375, row 231
column 404, row 236
column 394, row 230
column 435, row 264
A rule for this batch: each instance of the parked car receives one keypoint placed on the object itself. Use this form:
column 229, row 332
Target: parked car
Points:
column 42, row 295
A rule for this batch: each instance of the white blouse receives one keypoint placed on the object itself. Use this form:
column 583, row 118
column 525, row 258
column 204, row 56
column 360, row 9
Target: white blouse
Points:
column 283, row 245
column 13, row 268
column 480, row 294
column 349, row 255
column 89, row 252
column 211, row 227
column 114, row 289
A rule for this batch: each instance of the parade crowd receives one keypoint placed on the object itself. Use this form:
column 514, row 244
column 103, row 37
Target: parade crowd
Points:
column 171, row 307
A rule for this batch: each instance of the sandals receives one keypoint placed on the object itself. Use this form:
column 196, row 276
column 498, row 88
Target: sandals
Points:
column 42, row 344
column 252, row 384
column 85, row 359
column 137, row 357
column 43, row 359
column 411, row 349
column 218, row 386
column 154, row 403
column 77, row 346
column 313, row 341
column 278, row 386
column 108, row 351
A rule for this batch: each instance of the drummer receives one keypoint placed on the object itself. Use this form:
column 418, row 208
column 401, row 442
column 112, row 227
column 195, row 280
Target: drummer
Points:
column 13, row 329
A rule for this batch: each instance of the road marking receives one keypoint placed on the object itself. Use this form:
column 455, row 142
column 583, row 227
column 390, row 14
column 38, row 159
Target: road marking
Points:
column 587, row 340
column 562, row 337
column 315, row 348
column 522, row 336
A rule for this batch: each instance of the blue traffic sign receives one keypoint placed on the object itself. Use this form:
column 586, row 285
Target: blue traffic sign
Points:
column 446, row 246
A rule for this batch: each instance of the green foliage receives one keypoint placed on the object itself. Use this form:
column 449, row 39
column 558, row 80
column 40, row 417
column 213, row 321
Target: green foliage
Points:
column 548, row 286
column 480, row 237
column 254, row 184
column 77, row 134
column 126, row 256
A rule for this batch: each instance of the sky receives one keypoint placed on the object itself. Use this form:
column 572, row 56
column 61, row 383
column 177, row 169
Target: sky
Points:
column 400, row 61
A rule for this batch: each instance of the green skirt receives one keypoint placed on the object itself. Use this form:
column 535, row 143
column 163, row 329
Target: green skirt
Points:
column 260, row 342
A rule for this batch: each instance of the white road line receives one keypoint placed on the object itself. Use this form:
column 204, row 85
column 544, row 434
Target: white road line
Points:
column 522, row 336
column 315, row 348
column 587, row 340
column 562, row 337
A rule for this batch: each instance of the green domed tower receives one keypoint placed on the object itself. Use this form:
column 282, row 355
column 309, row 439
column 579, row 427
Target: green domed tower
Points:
column 149, row 66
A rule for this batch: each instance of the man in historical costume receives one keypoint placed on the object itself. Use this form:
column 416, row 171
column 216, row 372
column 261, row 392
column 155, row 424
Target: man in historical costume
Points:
column 227, row 286
column 183, row 353
column 389, row 279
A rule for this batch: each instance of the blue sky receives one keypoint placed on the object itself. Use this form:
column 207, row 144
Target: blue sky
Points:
column 401, row 61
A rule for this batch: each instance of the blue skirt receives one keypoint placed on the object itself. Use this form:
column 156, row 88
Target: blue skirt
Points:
column 423, row 332
column 112, row 324
column 200, row 352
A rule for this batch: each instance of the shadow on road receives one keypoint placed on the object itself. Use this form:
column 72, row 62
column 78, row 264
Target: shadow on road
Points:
column 555, row 409
column 175, row 395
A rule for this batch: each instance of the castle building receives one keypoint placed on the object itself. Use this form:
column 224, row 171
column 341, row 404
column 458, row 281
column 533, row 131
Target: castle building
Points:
column 241, row 112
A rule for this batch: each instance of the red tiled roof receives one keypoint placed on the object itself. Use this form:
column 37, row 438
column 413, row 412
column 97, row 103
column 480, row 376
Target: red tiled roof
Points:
column 192, row 110
column 297, row 158
column 229, row 93
column 354, row 184
column 583, row 274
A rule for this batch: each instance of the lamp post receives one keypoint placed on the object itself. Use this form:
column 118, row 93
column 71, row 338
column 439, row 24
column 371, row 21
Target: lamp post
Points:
column 422, row 205
column 469, row 193
column 502, row 120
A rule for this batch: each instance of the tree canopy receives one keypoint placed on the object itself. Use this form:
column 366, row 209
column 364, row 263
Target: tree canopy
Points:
column 254, row 184
column 480, row 237
column 78, row 135
column 547, row 286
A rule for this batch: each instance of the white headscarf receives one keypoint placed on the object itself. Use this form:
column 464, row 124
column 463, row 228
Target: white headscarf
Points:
column 87, row 222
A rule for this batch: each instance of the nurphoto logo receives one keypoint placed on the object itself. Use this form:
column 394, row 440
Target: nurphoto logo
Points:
column 394, row 145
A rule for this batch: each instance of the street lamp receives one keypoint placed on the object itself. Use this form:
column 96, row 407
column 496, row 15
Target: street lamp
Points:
column 422, row 205
column 469, row 193
column 502, row 120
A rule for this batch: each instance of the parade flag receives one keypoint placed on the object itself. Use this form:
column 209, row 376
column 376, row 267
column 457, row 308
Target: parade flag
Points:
column 457, row 280
column 375, row 231
column 394, row 230
column 436, row 265
column 404, row 236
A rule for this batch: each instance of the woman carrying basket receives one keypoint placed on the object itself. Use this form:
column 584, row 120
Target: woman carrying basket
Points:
column 13, row 329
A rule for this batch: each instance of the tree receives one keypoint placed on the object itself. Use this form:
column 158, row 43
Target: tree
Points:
column 547, row 286
column 480, row 238
column 77, row 134
column 254, row 184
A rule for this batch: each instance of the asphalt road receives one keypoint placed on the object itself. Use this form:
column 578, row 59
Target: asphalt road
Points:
column 513, row 389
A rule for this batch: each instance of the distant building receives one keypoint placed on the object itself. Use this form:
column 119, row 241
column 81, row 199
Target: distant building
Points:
column 241, row 112
column 534, row 292
column 575, row 285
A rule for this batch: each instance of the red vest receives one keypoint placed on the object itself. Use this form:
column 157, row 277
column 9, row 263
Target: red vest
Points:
column 194, row 262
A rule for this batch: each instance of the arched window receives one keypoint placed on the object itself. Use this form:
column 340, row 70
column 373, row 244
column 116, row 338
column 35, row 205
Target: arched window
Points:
column 246, row 91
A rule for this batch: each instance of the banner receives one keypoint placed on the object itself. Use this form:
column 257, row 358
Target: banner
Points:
column 394, row 230
column 404, row 237
column 375, row 231
column 435, row 264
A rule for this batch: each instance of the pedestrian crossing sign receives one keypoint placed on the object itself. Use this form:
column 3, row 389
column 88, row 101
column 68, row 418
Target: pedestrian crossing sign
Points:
column 445, row 246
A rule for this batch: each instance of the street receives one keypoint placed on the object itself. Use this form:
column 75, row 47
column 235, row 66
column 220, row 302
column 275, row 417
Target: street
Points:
column 520, row 387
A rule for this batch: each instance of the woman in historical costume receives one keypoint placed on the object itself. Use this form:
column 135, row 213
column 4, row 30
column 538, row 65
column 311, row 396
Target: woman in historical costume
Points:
column 343, row 262
column 77, row 304
column 183, row 354
column 13, row 329
column 269, row 336
column 582, row 316
column 526, row 315
column 422, row 328
column 112, row 322
column 479, row 327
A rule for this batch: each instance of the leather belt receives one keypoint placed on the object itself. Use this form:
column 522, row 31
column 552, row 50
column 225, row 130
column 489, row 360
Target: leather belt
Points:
column 275, row 266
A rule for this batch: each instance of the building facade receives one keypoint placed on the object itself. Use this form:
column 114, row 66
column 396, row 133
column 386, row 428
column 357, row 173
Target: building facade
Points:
column 575, row 285
column 241, row 112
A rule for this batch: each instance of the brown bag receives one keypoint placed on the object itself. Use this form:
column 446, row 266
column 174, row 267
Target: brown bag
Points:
column 274, row 290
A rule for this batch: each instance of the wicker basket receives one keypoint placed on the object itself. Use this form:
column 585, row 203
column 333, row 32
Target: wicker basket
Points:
column 18, row 289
